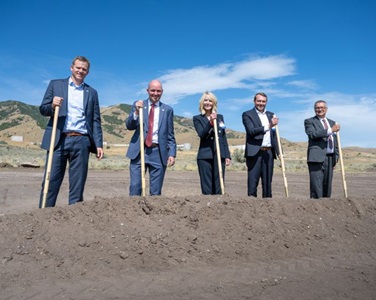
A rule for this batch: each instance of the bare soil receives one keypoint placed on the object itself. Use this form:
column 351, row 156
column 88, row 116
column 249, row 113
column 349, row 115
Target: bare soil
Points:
column 186, row 246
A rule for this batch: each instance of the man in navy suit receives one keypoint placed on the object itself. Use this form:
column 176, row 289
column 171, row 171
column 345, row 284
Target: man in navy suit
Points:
column 78, row 132
column 322, row 152
column 261, row 146
column 160, row 150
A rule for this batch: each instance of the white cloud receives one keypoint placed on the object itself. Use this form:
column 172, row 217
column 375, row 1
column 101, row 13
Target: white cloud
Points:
column 179, row 83
column 353, row 112
column 234, row 83
column 304, row 84
column 264, row 68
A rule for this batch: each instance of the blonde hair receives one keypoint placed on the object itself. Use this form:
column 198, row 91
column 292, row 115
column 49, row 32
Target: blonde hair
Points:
column 212, row 97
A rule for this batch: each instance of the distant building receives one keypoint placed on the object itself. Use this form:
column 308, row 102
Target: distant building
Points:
column 16, row 138
column 241, row 147
column 185, row 146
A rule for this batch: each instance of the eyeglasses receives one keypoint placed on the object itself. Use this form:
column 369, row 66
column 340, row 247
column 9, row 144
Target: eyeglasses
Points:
column 155, row 91
column 320, row 107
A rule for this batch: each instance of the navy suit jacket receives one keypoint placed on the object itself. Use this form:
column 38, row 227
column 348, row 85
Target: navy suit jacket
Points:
column 255, row 133
column 59, row 88
column 318, row 140
column 166, row 135
column 207, row 138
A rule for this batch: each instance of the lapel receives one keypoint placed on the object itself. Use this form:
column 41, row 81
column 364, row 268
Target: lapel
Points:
column 269, row 115
column 331, row 122
column 320, row 126
column 145, row 111
column 255, row 117
column 319, row 122
column 219, row 120
column 86, row 95
column 161, row 113
column 64, row 107
column 203, row 119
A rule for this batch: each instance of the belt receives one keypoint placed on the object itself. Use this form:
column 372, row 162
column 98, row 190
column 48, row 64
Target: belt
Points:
column 265, row 148
column 154, row 145
column 73, row 133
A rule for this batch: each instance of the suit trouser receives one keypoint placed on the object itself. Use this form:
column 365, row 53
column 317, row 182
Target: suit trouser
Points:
column 260, row 165
column 320, row 177
column 209, row 176
column 156, row 168
column 76, row 151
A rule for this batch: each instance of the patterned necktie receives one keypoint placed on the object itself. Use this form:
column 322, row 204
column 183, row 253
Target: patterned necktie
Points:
column 330, row 138
column 149, row 137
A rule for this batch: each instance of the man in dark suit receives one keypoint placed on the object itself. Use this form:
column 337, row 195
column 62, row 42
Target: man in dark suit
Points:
column 160, row 144
column 322, row 152
column 78, row 132
column 261, row 146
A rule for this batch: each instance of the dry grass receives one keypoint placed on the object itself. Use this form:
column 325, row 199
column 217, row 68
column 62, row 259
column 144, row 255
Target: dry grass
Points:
column 355, row 159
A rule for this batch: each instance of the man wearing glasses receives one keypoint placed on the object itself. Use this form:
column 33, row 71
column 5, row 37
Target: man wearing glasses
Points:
column 160, row 144
column 322, row 153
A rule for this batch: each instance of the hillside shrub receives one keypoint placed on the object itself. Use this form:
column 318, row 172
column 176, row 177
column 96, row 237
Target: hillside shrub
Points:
column 238, row 155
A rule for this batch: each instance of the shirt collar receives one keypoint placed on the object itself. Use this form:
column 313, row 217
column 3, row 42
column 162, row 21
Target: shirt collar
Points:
column 259, row 112
column 156, row 104
column 71, row 83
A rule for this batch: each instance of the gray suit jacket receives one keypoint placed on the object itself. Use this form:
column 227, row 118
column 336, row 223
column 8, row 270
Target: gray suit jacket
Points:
column 59, row 88
column 166, row 135
column 318, row 140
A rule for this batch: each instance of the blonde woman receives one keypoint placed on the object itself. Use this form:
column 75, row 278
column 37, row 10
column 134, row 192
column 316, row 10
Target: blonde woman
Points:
column 206, row 156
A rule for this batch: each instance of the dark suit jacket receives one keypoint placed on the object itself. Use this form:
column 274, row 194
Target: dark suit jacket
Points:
column 59, row 88
column 207, row 138
column 318, row 140
column 255, row 133
column 166, row 135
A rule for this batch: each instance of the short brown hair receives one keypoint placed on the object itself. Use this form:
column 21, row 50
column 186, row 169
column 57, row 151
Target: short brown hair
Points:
column 83, row 59
column 261, row 94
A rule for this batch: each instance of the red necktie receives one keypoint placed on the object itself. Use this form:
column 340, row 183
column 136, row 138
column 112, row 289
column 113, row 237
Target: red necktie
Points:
column 330, row 138
column 149, row 137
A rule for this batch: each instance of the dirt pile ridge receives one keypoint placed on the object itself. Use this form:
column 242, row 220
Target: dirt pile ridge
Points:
column 108, row 235
column 189, row 247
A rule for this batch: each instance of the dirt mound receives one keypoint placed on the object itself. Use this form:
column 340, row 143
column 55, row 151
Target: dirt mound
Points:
column 107, row 237
column 186, row 246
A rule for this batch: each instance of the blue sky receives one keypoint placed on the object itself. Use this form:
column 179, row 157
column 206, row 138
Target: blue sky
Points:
column 295, row 51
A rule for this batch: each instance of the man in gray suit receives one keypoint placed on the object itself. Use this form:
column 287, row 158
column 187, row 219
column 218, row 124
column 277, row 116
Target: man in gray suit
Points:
column 160, row 144
column 322, row 152
column 78, row 132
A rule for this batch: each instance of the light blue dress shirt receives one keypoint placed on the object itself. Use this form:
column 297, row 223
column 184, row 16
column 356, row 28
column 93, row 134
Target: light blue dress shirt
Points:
column 76, row 115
